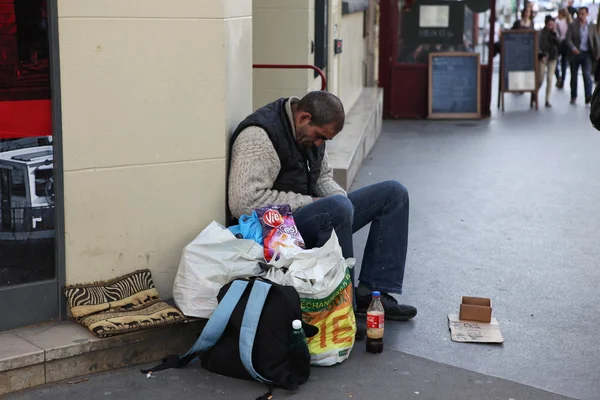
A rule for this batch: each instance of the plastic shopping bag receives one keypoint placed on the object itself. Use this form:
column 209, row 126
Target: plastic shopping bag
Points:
column 249, row 227
column 212, row 260
column 322, row 278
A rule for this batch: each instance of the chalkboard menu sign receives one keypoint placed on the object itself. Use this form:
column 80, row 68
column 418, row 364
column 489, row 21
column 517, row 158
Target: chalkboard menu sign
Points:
column 454, row 86
column 436, row 22
column 519, row 61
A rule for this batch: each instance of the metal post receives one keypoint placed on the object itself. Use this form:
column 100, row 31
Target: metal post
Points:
column 57, row 142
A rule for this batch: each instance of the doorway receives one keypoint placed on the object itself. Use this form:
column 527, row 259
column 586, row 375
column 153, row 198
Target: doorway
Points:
column 405, row 46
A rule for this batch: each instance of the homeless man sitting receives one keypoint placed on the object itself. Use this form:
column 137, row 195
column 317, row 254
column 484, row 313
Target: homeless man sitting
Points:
column 278, row 156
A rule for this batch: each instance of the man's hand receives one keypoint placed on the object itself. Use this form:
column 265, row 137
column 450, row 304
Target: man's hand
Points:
column 316, row 198
column 576, row 51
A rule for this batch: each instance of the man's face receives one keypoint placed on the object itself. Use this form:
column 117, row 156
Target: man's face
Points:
column 550, row 25
column 582, row 15
column 308, row 135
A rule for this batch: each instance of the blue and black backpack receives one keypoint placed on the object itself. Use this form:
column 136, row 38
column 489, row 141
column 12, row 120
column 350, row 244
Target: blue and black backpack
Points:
column 248, row 336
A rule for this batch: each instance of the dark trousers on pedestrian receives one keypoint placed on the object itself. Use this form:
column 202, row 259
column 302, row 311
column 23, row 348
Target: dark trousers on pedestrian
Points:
column 383, row 205
column 583, row 60
column 561, row 67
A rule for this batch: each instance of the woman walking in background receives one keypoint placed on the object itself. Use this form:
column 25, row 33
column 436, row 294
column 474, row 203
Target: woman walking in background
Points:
column 525, row 22
column 549, row 43
column 563, row 21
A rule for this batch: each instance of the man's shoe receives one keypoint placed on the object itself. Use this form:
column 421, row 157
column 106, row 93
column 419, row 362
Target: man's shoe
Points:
column 588, row 100
column 393, row 310
column 573, row 101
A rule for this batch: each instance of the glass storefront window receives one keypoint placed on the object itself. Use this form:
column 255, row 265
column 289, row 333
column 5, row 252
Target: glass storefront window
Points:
column 44, row 184
column 27, row 235
column 18, row 189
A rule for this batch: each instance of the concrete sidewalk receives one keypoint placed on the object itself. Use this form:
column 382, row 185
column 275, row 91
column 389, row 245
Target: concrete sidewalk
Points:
column 506, row 208
column 390, row 375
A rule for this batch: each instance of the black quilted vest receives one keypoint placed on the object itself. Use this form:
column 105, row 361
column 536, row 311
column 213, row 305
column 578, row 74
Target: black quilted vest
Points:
column 300, row 168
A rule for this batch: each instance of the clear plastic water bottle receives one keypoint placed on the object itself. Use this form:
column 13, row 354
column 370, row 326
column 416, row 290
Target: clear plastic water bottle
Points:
column 375, row 322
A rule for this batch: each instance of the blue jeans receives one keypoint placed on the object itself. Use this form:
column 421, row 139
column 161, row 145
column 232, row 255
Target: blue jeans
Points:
column 385, row 206
column 584, row 60
column 561, row 67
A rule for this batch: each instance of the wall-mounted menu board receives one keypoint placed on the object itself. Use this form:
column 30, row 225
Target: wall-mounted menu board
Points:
column 454, row 86
column 436, row 22
column 519, row 61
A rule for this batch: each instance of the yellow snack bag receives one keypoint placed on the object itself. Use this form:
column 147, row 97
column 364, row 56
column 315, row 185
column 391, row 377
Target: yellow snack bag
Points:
column 334, row 316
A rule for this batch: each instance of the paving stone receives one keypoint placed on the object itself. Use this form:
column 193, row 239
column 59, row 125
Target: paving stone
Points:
column 68, row 339
column 131, row 353
column 16, row 352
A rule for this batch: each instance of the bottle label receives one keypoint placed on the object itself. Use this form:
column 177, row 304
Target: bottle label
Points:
column 375, row 321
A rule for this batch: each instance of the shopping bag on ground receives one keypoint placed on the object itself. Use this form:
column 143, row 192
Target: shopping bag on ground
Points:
column 321, row 276
column 212, row 260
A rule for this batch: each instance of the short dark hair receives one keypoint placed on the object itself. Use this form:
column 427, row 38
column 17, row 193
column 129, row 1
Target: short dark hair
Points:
column 587, row 10
column 324, row 108
column 548, row 18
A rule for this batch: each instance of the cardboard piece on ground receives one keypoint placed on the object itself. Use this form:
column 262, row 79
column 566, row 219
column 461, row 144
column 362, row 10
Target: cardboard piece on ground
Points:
column 473, row 331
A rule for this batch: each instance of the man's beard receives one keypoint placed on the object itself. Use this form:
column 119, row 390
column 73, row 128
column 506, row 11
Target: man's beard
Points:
column 305, row 146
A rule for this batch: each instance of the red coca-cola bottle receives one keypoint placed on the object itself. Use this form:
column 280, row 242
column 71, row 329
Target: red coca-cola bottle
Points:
column 375, row 318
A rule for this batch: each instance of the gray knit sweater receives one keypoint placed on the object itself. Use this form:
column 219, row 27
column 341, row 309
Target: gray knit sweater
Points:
column 255, row 166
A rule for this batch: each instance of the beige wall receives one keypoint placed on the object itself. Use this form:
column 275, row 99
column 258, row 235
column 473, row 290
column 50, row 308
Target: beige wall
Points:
column 150, row 92
column 282, row 34
column 351, row 62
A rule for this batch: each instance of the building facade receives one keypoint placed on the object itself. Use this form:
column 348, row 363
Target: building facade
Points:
column 115, row 118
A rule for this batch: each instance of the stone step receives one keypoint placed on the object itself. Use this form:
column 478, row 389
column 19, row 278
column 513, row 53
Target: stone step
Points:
column 59, row 351
column 362, row 128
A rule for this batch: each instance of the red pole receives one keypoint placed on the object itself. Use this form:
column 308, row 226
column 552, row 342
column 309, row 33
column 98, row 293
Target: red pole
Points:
column 475, row 30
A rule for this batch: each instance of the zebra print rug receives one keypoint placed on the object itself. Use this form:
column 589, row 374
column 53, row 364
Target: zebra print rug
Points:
column 125, row 304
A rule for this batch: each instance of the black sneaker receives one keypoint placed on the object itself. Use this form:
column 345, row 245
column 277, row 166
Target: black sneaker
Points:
column 393, row 310
column 588, row 100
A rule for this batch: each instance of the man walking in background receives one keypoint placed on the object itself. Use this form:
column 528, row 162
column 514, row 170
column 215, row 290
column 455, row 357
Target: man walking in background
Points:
column 580, row 42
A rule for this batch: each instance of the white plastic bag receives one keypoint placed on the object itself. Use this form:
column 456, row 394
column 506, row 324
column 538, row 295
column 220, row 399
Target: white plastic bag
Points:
column 322, row 279
column 212, row 260
column 315, row 273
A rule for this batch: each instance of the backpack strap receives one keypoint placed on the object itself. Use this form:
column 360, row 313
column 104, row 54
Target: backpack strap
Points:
column 250, row 321
column 212, row 331
column 218, row 321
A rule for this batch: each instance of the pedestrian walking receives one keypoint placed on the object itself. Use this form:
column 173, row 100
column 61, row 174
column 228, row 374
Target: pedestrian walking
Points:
column 549, row 42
